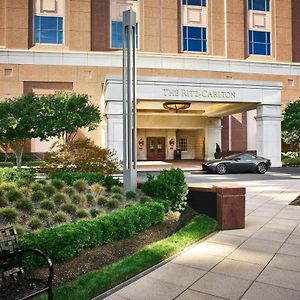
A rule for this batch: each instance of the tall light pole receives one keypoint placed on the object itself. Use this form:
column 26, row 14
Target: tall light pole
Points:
column 129, row 101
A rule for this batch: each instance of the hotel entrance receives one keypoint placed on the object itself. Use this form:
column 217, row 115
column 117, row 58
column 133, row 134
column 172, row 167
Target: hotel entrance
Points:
column 156, row 148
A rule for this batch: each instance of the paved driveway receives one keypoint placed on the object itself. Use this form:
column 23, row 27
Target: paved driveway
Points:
column 261, row 261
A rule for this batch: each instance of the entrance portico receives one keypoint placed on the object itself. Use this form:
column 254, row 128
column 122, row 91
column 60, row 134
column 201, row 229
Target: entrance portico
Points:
column 210, row 101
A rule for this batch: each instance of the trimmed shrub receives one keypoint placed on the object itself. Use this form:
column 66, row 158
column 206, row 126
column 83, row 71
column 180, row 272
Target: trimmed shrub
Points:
column 118, row 197
column 8, row 215
column 113, row 203
column 82, row 213
column 36, row 186
column 35, row 163
column 3, row 202
column 69, row 208
column 38, row 196
column 130, row 194
column 60, row 217
column 57, row 183
column 102, row 200
column 13, row 195
column 43, row 214
column 80, row 185
column 70, row 191
column 70, row 177
column 59, row 198
column 6, row 164
column 68, row 240
column 291, row 162
column 117, row 189
column 47, row 204
column 13, row 175
column 49, row 190
column 169, row 185
column 24, row 204
column 35, row 223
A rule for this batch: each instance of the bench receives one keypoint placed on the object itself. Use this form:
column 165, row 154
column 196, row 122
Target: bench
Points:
column 15, row 284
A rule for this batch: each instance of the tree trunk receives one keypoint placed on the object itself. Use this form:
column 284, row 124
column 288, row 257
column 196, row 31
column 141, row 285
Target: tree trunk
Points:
column 18, row 147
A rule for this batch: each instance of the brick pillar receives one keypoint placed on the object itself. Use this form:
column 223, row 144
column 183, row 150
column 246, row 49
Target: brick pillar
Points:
column 230, row 206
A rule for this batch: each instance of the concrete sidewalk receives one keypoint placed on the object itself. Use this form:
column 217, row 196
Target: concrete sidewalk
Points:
column 261, row 261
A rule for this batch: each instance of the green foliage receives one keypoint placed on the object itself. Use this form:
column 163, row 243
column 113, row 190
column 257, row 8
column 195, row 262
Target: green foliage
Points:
column 69, row 208
column 169, row 185
column 6, row 164
column 47, row 204
column 59, row 198
column 7, row 186
column 291, row 162
column 70, row 177
column 60, row 217
column 98, row 189
column 24, row 204
column 72, row 156
column 66, row 241
column 80, row 185
column 35, row 223
column 117, row 189
column 130, row 194
column 38, row 196
column 19, row 229
column 82, row 213
column 43, row 214
column 90, row 199
column 8, row 215
column 145, row 199
column 102, row 200
column 118, row 197
column 36, row 186
column 109, row 182
column 14, row 175
column 57, row 183
column 49, row 190
column 94, row 212
column 3, row 202
column 25, row 190
column 35, row 163
column 13, row 195
column 79, row 200
column 113, row 203
column 70, row 191
column 291, row 124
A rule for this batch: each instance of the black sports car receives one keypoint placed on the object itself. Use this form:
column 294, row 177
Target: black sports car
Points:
column 238, row 163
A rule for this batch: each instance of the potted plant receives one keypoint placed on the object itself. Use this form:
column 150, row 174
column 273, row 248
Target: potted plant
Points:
column 218, row 153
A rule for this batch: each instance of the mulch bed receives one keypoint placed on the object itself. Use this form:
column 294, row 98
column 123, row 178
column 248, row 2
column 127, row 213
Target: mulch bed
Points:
column 108, row 254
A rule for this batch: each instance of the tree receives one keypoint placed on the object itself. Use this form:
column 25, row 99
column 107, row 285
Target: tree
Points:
column 291, row 124
column 62, row 114
column 18, row 122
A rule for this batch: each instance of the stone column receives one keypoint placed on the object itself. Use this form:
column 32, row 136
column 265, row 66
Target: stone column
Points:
column 268, row 120
column 212, row 136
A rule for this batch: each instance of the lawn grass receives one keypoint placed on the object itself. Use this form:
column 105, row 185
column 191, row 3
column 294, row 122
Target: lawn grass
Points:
column 96, row 282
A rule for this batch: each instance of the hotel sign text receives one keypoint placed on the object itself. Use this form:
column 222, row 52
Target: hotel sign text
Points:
column 199, row 93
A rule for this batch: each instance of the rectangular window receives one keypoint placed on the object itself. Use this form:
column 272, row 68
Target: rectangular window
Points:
column 259, row 42
column 182, row 144
column 263, row 5
column 48, row 30
column 194, row 2
column 194, row 39
column 117, row 34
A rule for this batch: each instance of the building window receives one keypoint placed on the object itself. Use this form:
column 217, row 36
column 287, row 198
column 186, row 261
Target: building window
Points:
column 48, row 30
column 262, row 5
column 194, row 39
column 182, row 144
column 194, row 2
column 117, row 34
column 259, row 42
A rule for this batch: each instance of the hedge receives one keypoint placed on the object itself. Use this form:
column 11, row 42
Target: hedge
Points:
column 66, row 241
column 14, row 175
column 291, row 162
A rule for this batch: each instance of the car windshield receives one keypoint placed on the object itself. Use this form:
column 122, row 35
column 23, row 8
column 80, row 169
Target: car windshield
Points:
column 232, row 156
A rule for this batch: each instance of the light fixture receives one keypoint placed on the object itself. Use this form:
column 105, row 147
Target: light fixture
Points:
column 176, row 105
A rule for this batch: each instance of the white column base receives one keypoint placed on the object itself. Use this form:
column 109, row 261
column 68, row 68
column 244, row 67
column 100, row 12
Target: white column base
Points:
column 212, row 136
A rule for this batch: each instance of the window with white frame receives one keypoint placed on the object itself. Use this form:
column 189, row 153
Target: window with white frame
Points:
column 259, row 27
column 48, row 22
column 194, row 25
column 182, row 144
column 116, row 13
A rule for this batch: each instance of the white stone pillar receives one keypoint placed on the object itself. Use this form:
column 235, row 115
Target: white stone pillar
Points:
column 212, row 136
column 268, row 120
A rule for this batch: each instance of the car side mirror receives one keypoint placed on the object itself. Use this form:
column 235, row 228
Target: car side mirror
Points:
column 237, row 159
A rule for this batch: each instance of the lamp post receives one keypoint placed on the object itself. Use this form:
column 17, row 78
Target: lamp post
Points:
column 129, row 101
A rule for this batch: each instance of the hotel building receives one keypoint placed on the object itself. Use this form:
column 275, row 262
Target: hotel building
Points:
column 233, row 65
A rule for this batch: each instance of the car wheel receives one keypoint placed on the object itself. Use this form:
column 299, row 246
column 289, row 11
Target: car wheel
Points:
column 221, row 169
column 261, row 168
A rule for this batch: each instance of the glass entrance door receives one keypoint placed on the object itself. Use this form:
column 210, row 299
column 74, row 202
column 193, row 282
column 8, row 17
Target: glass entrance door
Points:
column 156, row 148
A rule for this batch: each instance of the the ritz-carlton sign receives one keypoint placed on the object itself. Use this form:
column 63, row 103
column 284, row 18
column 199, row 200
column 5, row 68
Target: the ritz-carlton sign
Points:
column 199, row 93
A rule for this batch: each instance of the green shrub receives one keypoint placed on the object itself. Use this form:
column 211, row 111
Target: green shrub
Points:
column 57, row 183
column 13, row 195
column 43, row 214
column 118, row 197
column 13, row 175
column 113, row 203
column 102, row 200
column 70, row 177
column 38, row 196
column 90, row 199
column 20, row 230
column 109, row 182
column 6, row 164
column 82, row 213
column 47, row 204
column 98, row 189
column 145, row 199
column 291, row 162
column 169, row 185
column 7, row 186
column 42, row 181
column 24, row 204
column 59, row 198
column 95, row 212
column 49, row 190
column 117, row 189
column 60, row 217
column 79, row 199
column 3, row 202
column 130, row 194
column 25, row 190
column 80, row 185
column 69, row 208
column 35, row 223
column 21, row 183
column 35, row 163
column 8, row 215
column 68, row 240
column 69, row 191
column 36, row 186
